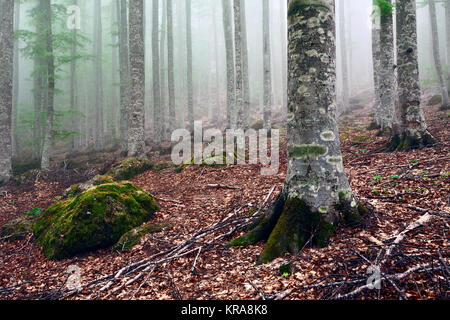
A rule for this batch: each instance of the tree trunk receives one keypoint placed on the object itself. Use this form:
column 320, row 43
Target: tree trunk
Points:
column 73, row 86
column 283, row 34
column 316, row 190
column 47, row 11
column 267, row 67
column 387, row 74
column 376, row 54
column 15, row 110
column 190, row 84
column 98, row 76
column 411, row 131
column 157, row 118
column 239, row 111
column 136, row 116
column 437, row 56
column 217, row 114
column 245, row 75
column 6, row 87
column 124, row 72
column 162, row 47
column 447, row 34
column 344, row 61
column 228, row 33
column 170, row 64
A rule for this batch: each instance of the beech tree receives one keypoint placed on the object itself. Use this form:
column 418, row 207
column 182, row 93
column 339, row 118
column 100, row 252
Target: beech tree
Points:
column 6, row 81
column 437, row 56
column 411, row 131
column 228, row 33
column 316, row 191
column 136, row 115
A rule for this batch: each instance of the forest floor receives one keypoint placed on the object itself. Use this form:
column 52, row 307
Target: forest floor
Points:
column 391, row 183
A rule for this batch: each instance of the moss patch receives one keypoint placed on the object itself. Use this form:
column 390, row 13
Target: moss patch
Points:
column 129, row 168
column 296, row 225
column 133, row 237
column 97, row 218
column 406, row 143
column 307, row 151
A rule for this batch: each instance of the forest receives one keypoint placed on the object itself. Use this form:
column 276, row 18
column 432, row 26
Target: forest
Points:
column 224, row 150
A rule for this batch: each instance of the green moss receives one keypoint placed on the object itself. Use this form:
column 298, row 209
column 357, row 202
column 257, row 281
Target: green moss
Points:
column 300, row 5
column 435, row 100
column 296, row 225
column 307, row 151
column 19, row 166
column 133, row 237
column 94, row 219
column 409, row 143
column 129, row 168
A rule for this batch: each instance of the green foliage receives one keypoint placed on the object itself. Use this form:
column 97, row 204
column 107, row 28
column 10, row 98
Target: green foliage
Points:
column 386, row 7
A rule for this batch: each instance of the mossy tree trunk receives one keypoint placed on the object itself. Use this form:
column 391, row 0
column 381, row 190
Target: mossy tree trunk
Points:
column 411, row 131
column 316, row 193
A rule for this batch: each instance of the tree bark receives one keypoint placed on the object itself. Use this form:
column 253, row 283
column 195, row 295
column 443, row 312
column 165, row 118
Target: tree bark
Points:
column 283, row 34
column 376, row 61
column 47, row 11
column 411, row 131
column 239, row 111
column 228, row 33
column 136, row 116
column 124, row 73
column 74, row 126
column 267, row 67
column 157, row 117
column 437, row 55
column 316, row 191
column 447, row 34
column 15, row 110
column 344, row 61
column 163, row 78
column 170, row 64
column 6, row 87
column 190, row 84
column 245, row 75
column 387, row 74
column 99, row 140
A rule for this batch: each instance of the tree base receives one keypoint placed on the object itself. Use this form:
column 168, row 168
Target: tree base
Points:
column 290, row 225
column 406, row 143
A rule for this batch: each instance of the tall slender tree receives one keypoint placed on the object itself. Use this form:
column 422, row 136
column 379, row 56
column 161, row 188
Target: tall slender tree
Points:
column 283, row 35
column 267, row 66
column 73, row 82
column 15, row 112
column 6, row 86
column 344, row 57
column 170, row 65
column 316, row 191
column 190, row 80
column 437, row 55
column 157, row 117
column 99, row 131
column 411, row 131
column 376, row 62
column 245, row 71
column 163, row 70
column 239, row 112
column 387, row 67
column 136, row 115
column 447, row 34
column 50, row 81
column 124, row 72
column 228, row 34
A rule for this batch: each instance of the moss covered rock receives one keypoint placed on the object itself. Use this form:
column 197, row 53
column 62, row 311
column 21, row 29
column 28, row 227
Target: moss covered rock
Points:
column 129, row 168
column 79, row 188
column 95, row 219
column 435, row 100
column 16, row 229
column 133, row 237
